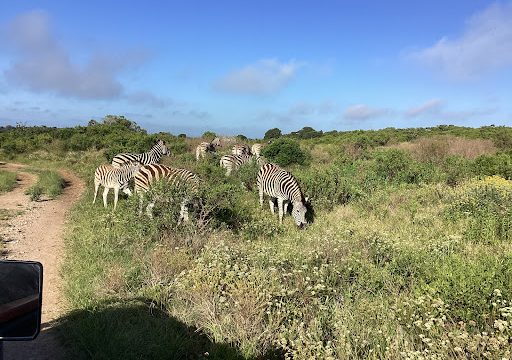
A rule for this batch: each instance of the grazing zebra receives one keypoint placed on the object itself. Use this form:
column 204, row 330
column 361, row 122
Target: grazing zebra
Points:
column 239, row 149
column 205, row 147
column 152, row 156
column 148, row 174
column 256, row 149
column 116, row 178
column 233, row 162
column 279, row 183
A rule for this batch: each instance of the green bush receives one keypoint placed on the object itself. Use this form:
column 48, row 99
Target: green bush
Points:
column 285, row 152
column 456, row 169
column 335, row 185
column 498, row 164
column 397, row 166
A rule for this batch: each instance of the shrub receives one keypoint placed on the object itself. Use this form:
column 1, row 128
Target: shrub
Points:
column 456, row 169
column 328, row 187
column 285, row 152
column 499, row 164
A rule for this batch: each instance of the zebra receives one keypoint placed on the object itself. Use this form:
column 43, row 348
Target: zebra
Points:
column 148, row 174
column 116, row 178
column 241, row 149
column 152, row 156
column 205, row 147
column 233, row 162
column 256, row 149
column 279, row 183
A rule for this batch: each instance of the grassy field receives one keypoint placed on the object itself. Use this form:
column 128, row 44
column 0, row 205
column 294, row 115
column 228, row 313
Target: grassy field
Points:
column 408, row 256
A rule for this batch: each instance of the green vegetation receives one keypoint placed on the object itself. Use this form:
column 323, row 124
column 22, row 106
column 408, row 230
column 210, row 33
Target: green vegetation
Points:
column 408, row 255
column 7, row 181
column 49, row 183
column 285, row 152
column 272, row 134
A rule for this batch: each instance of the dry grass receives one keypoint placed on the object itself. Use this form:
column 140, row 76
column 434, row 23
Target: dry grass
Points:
column 438, row 148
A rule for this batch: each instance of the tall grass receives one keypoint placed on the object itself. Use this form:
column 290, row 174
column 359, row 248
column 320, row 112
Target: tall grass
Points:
column 49, row 183
column 7, row 181
column 388, row 275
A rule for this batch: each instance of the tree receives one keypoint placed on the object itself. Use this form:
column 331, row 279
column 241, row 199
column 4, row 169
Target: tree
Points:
column 209, row 135
column 122, row 121
column 306, row 132
column 241, row 137
column 272, row 134
column 285, row 152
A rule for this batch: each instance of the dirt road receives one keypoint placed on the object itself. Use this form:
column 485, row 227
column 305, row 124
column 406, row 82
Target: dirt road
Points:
column 37, row 234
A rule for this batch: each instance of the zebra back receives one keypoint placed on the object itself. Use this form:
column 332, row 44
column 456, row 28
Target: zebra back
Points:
column 154, row 155
column 279, row 183
column 240, row 149
column 110, row 176
column 148, row 174
column 233, row 162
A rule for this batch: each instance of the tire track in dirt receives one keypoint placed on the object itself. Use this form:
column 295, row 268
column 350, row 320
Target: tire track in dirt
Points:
column 37, row 234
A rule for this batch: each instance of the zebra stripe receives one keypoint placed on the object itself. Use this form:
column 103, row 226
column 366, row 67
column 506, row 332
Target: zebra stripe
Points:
column 279, row 183
column 148, row 174
column 116, row 178
column 256, row 149
column 233, row 162
column 151, row 157
column 241, row 149
column 206, row 147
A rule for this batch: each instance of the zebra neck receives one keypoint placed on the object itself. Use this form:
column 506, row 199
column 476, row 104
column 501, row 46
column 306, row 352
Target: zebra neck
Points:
column 155, row 152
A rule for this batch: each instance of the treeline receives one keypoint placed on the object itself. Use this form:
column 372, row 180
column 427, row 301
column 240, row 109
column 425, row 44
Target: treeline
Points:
column 500, row 135
column 114, row 134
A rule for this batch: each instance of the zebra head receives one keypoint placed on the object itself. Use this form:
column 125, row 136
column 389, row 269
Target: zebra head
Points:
column 216, row 142
column 163, row 148
column 299, row 214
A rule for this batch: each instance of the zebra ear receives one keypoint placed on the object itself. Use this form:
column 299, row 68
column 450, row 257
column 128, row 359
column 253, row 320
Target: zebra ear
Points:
column 307, row 200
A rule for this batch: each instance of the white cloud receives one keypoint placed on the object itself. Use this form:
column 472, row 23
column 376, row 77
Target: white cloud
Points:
column 42, row 64
column 148, row 98
column 429, row 107
column 263, row 77
column 435, row 108
column 364, row 112
column 484, row 46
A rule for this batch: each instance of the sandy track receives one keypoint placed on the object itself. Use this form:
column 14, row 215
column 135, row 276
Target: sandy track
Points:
column 37, row 234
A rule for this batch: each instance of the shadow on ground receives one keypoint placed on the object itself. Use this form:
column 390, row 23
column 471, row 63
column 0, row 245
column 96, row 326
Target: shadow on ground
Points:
column 134, row 331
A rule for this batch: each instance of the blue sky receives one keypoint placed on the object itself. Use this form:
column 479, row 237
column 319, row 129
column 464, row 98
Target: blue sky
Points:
column 240, row 67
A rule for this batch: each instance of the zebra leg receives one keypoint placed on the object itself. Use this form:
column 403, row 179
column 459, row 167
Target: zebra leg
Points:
column 96, row 187
column 141, row 201
column 116, row 196
column 280, row 208
column 183, row 212
column 271, row 204
column 149, row 209
column 285, row 210
column 260, row 189
column 105, row 194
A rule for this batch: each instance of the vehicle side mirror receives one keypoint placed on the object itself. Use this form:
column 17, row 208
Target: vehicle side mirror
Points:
column 21, row 286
